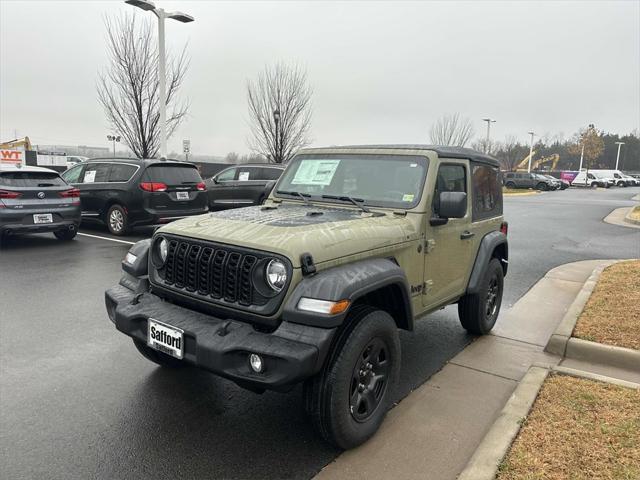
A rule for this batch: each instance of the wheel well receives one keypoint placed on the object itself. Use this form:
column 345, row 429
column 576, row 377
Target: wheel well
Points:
column 110, row 204
column 501, row 252
column 390, row 299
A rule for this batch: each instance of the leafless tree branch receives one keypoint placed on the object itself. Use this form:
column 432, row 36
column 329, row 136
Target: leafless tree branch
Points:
column 128, row 87
column 283, row 88
column 451, row 130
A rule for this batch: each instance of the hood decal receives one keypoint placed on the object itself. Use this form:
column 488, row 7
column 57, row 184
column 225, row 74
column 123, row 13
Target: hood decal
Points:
column 289, row 215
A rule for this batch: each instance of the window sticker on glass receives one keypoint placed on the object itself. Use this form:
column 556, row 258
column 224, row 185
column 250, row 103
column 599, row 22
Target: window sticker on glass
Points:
column 315, row 172
column 408, row 197
column 90, row 176
column 243, row 176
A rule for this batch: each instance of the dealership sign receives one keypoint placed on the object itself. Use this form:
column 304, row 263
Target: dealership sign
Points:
column 13, row 157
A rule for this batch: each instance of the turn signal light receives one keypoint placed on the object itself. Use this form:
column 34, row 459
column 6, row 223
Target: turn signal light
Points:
column 323, row 306
column 153, row 186
column 201, row 186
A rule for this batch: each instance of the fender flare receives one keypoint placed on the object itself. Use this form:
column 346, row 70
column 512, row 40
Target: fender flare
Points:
column 488, row 245
column 350, row 282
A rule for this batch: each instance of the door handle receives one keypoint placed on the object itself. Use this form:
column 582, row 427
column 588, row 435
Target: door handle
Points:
column 466, row 234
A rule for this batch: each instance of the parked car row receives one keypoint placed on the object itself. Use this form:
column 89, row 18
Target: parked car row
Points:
column 584, row 178
column 124, row 193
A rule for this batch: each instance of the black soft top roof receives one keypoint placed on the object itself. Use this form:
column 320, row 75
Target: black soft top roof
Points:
column 441, row 150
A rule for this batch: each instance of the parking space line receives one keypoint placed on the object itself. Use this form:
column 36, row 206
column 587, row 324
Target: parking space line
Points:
column 106, row 238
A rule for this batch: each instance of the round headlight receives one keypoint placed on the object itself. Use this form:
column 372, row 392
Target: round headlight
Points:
column 163, row 247
column 276, row 274
column 159, row 252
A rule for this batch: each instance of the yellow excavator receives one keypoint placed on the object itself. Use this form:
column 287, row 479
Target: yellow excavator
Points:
column 523, row 166
column 23, row 143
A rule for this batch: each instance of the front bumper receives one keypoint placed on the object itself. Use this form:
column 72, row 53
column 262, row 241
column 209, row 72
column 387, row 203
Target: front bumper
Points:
column 291, row 353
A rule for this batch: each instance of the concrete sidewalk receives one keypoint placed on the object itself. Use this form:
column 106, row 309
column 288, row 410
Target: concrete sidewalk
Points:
column 435, row 430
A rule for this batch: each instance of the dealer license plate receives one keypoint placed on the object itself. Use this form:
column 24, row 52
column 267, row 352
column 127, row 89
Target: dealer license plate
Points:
column 182, row 195
column 43, row 218
column 165, row 338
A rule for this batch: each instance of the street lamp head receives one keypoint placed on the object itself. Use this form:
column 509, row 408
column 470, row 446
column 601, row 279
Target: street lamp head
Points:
column 276, row 115
column 619, row 143
column 143, row 4
column 118, row 138
column 181, row 17
column 531, row 133
column 109, row 137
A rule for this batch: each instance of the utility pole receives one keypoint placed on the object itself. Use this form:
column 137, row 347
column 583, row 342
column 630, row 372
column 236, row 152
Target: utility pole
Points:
column 618, row 156
column 276, row 119
column 530, row 151
column 487, row 149
column 148, row 5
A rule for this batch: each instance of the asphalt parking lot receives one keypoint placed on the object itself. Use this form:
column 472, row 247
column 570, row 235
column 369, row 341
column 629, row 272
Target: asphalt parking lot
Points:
column 78, row 401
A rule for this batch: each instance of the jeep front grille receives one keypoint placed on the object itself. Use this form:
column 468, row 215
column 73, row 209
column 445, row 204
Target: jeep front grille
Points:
column 212, row 271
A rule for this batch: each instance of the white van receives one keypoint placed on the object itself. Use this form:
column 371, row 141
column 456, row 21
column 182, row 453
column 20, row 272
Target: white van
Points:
column 620, row 179
column 592, row 179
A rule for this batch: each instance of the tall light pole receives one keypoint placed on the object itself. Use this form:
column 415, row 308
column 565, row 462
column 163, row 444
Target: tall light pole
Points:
column 148, row 5
column 530, row 151
column 114, row 139
column 618, row 156
column 276, row 119
column 489, row 122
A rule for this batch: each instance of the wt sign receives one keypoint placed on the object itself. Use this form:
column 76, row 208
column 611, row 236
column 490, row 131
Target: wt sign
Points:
column 14, row 157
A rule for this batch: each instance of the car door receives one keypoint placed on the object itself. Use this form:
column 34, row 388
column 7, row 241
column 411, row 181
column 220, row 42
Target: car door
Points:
column 94, row 192
column 221, row 188
column 250, row 186
column 449, row 246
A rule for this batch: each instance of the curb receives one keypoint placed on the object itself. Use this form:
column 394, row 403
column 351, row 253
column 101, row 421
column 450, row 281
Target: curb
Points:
column 613, row 356
column 562, row 343
column 628, row 219
column 557, row 343
column 486, row 459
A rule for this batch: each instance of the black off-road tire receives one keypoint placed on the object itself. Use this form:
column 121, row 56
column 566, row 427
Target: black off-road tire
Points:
column 66, row 234
column 329, row 396
column 510, row 185
column 117, row 220
column 160, row 358
column 478, row 312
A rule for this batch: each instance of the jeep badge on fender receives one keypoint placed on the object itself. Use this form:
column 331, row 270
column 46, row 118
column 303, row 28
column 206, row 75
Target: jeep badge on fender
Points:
column 352, row 244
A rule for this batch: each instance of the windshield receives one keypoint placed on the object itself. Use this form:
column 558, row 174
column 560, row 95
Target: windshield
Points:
column 394, row 181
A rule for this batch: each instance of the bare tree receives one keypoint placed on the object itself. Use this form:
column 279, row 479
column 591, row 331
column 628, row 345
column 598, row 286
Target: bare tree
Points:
column 510, row 153
column 280, row 112
column 128, row 88
column 452, row 130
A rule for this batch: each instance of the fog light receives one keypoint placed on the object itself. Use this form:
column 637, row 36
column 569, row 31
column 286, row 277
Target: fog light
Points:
column 256, row 363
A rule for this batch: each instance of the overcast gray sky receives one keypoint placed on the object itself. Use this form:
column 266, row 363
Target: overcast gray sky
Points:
column 382, row 72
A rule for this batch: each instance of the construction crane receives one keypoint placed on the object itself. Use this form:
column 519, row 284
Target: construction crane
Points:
column 535, row 165
column 17, row 143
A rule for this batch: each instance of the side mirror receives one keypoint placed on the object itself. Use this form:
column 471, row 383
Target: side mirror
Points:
column 214, row 180
column 451, row 205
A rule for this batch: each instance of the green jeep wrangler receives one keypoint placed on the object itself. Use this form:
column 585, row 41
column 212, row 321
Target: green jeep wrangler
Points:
column 353, row 244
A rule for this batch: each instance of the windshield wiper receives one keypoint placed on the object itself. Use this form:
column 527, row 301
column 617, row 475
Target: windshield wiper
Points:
column 303, row 196
column 345, row 198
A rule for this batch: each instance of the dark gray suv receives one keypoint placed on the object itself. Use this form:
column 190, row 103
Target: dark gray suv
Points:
column 528, row 180
column 36, row 199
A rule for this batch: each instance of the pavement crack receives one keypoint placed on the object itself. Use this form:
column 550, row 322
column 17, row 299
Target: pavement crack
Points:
column 485, row 372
